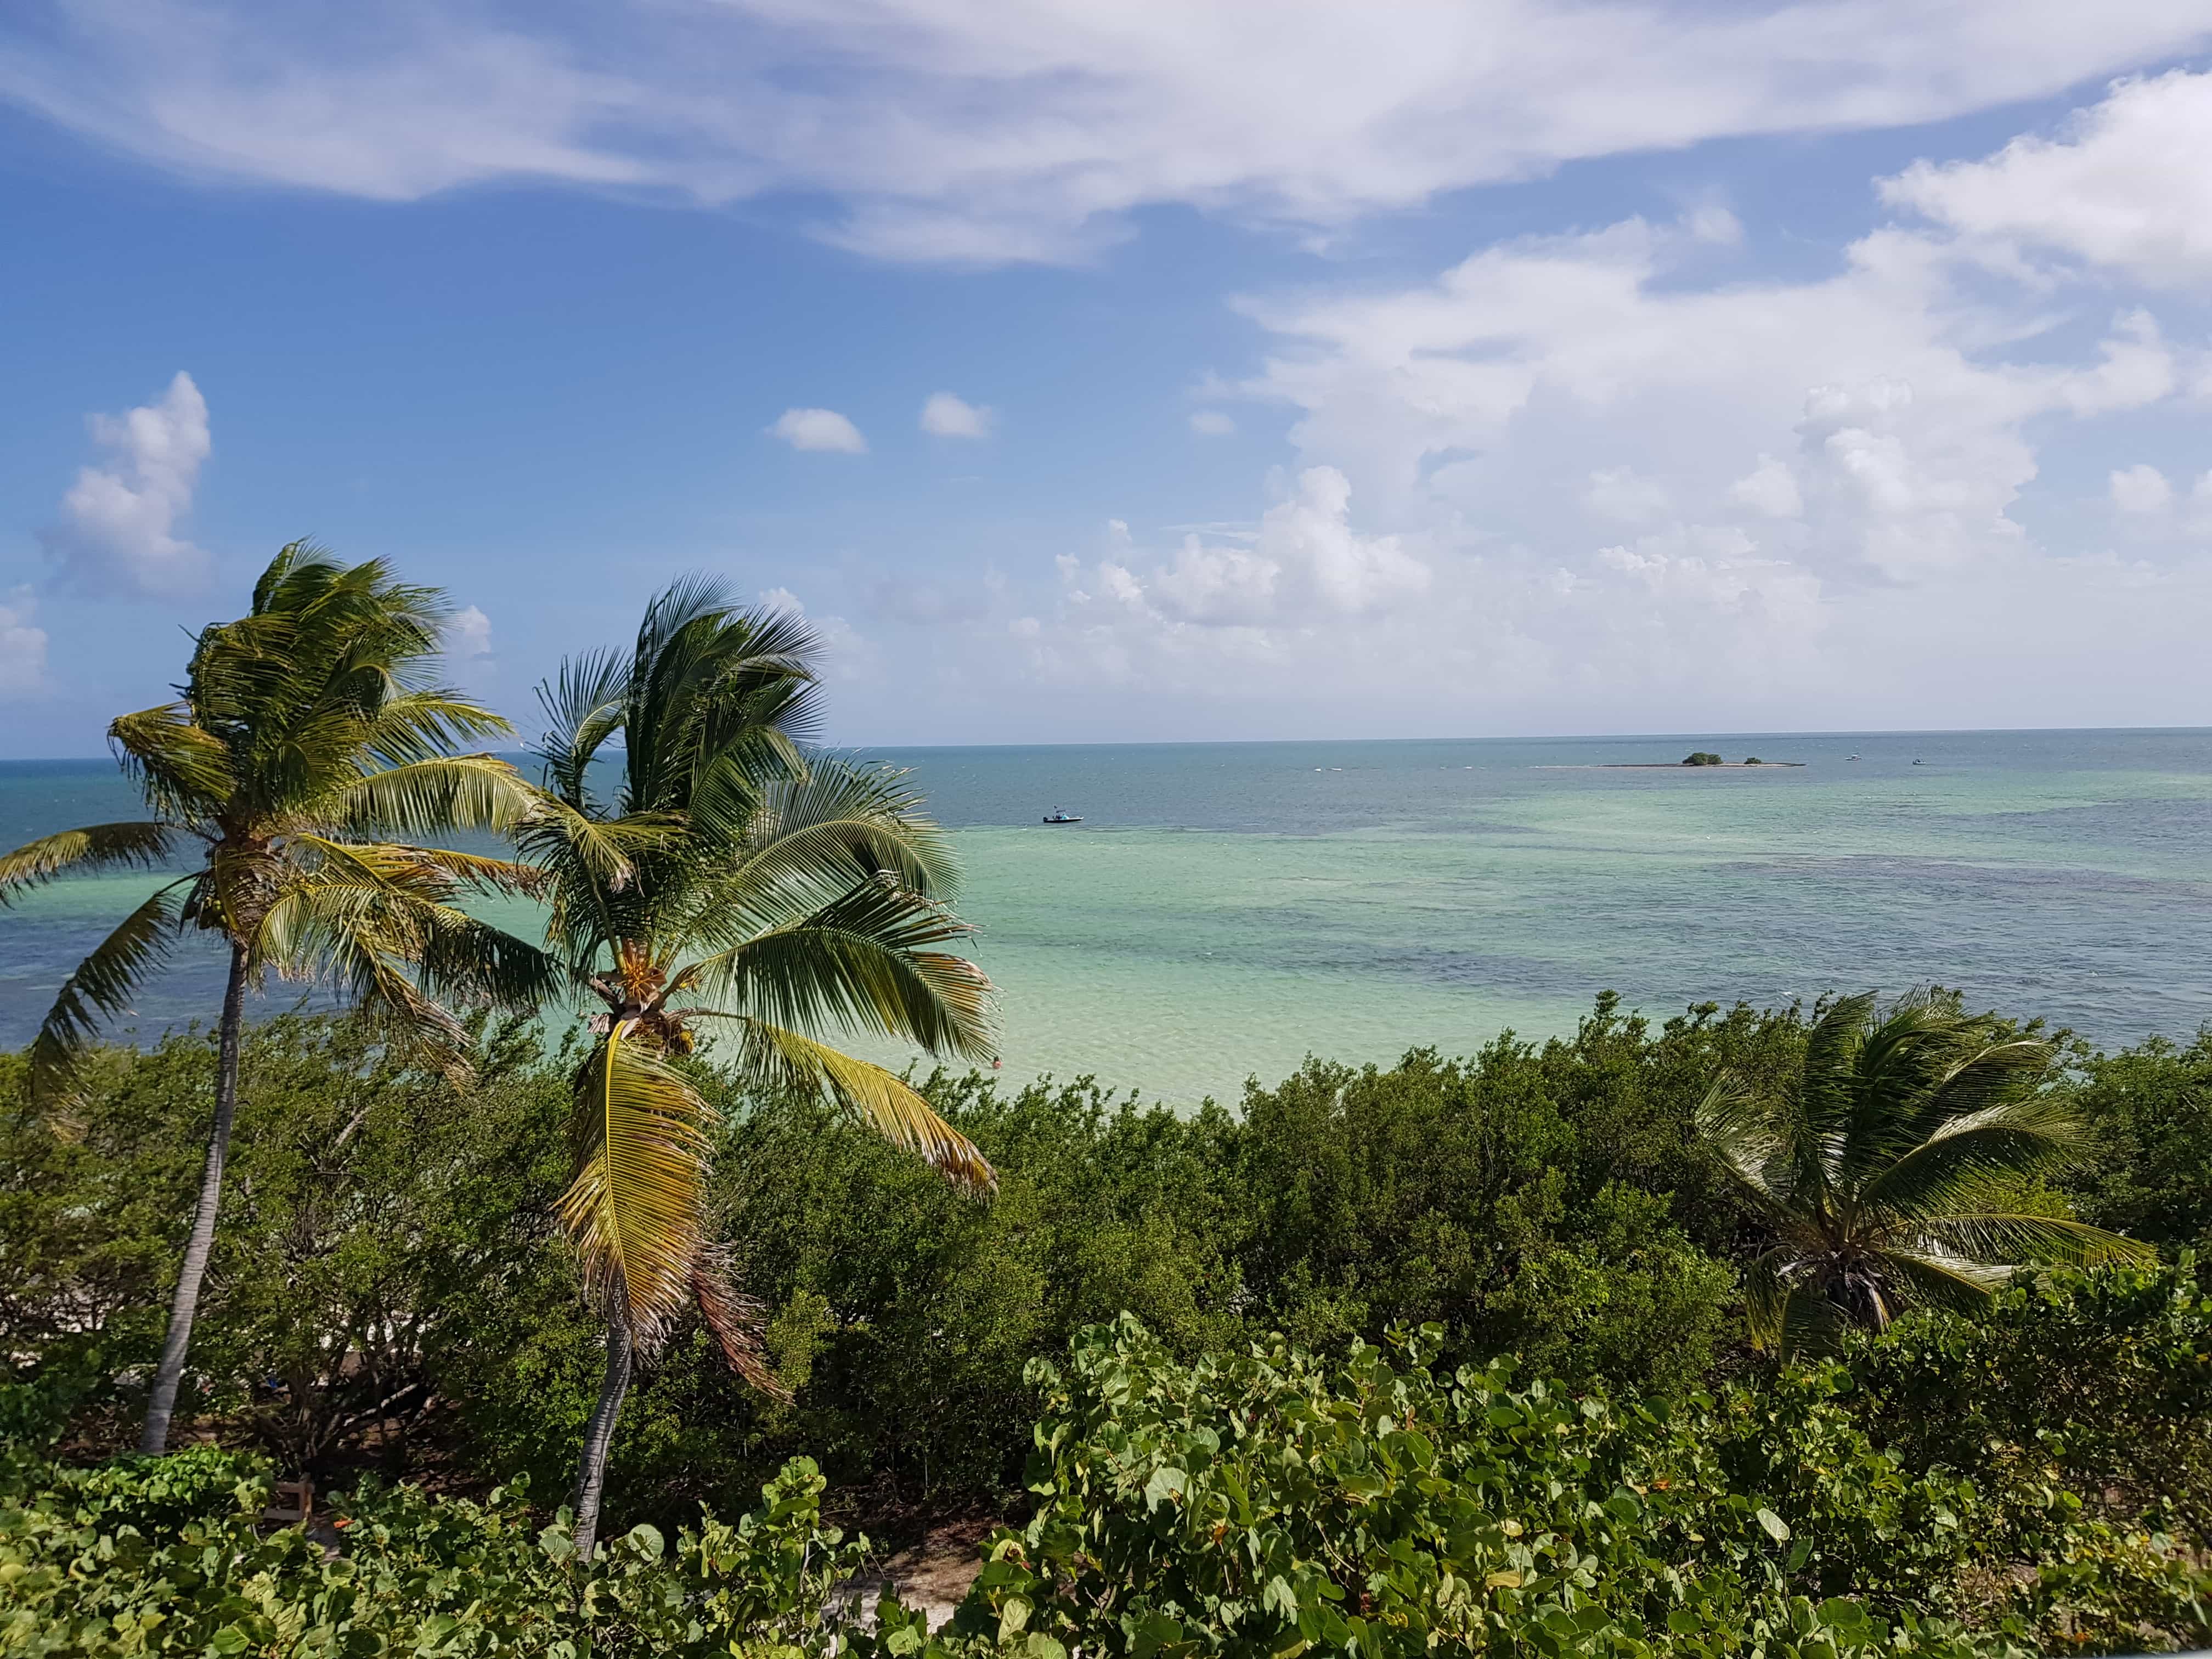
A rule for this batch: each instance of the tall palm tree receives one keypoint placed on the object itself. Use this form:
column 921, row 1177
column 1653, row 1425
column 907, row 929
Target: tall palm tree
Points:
column 305, row 732
column 730, row 876
column 1890, row 1167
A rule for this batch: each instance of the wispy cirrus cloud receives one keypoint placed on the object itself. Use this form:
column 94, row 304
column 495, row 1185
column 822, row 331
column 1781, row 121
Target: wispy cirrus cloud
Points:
column 949, row 131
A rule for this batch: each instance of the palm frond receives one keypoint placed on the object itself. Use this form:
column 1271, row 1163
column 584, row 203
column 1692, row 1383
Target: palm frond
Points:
column 591, row 869
column 709, row 680
column 433, row 873
column 865, row 963
column 1897, row 1079
column 2014, row 1137
column 102, row 986
column 1766, row 1281
column 599, row 852
column 1828, row 1094
column 816, row 834
column 184, row 770
column 2011, row 1237
column 95, row 847
column 379, row 925
column 364, row 937
column 739, row 1322
column 1938, row 1279
column 584, row 706
column 418, row 725
column 784, row 1059
column 1743, row 1127
column 436, row 797
column 1808, row 1324
column 636, row 1207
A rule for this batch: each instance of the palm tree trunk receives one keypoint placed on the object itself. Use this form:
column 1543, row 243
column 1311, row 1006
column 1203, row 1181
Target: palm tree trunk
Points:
column 198, row 1248
column 599, row 1435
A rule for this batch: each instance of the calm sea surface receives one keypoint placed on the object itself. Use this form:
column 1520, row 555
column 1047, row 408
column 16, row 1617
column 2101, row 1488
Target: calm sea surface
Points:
column 1225, row 909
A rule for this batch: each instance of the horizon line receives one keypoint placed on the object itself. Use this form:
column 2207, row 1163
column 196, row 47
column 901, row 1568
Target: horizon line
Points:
column 1533, row 737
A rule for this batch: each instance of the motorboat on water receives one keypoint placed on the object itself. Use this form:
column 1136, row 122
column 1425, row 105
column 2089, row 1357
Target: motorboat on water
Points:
column 1058, row 817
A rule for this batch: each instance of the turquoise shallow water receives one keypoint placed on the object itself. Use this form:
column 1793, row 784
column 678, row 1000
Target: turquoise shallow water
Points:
column 1225, row 909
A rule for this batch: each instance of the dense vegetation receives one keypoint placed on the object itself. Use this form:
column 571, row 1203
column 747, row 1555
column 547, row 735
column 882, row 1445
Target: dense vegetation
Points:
column 390, row 1299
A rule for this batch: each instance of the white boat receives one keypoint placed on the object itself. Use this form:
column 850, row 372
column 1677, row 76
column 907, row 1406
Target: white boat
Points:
column 1058, row 817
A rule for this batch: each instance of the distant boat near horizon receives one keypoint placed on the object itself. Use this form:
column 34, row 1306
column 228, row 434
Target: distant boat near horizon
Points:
column 1056, row 816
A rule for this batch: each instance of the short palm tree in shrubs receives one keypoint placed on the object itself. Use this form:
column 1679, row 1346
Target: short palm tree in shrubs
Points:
column 1892, row 1167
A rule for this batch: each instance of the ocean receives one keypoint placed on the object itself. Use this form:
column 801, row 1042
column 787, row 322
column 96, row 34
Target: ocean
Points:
column 1225, row 909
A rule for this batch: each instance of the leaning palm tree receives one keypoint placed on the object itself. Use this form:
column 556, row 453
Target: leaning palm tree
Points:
column 1890, row 1167
column 729, row 877
column 306, row 732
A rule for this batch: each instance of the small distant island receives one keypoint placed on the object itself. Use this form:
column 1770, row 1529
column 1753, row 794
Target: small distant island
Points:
column 1696, row 758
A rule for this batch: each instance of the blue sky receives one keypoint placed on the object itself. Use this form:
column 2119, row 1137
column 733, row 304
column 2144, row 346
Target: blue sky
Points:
column 1313, row 370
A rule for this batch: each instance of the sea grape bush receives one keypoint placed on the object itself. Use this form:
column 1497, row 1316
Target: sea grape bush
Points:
column 407, row 1574
column 1272, row 1503
column 2096, row 1383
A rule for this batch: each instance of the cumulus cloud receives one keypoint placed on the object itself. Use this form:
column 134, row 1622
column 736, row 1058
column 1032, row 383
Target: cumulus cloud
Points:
column 944, row 416
column 468, row 640
column 820, row 429
column 847, row 654
column 1821, row 497
column 2141, row 488
column 1769, row 488
column 949, row 131
column 2125, row 186
column 117, row 532
column 1306, row 565
column 1622, row 493
column 1212, row 424
column 23, row 646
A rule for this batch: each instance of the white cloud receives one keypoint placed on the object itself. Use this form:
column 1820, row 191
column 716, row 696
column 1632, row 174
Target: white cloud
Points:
column 2125, row 186
column 1852, row 496
column 23, row 646
column 1770, row 488
column 2198, row 521
column 820, row 430
column 949, row 131
column 2141, row 488
column 847, row 654
column 945, row 415
column 468, row 637
column 1306, row 565
column 1212, row 424
column 1621, row 493
column 117, row 530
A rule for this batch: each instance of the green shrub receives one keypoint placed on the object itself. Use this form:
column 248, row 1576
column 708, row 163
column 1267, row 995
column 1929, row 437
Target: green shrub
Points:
column 387, row 1288
column 1260, row 1504
column 1703, row 757
column 2098, row 1383
column 2149, row 1169
column 412, row 1574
